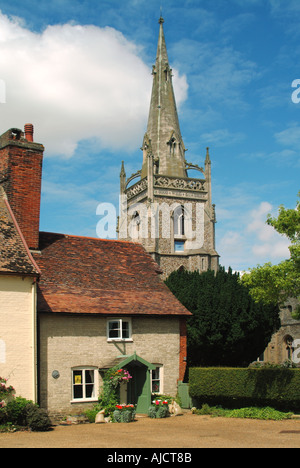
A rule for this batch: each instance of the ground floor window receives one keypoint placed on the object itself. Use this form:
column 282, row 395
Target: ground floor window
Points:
column 156, row 380
column 83, row 383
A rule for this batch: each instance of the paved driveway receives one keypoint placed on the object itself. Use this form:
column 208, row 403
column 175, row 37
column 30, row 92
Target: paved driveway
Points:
column 181, row 432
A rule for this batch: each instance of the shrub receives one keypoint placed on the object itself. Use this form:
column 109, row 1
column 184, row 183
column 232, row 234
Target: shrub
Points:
column 37, row 418
column 266, row 413
column 22, row 412
column 15, row 411
column 240, row 387
column 92, row 413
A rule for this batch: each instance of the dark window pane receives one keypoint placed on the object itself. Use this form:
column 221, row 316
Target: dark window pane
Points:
column 125, row 329
column 114, row 329
column 89, row 391
column 78, row 393
column 89, row 376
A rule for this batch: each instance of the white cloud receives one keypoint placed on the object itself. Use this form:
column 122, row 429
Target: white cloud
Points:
column 289, row 137
column 73, row 83
column 258, row 225
column 246, row 240
column 266, row 242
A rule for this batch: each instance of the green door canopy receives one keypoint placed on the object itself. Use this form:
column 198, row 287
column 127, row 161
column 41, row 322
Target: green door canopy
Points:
column 135, row 360
column 122, row 361
column 139, row 387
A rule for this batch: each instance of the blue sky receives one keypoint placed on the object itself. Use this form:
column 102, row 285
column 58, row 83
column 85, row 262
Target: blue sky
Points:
column 80, row 71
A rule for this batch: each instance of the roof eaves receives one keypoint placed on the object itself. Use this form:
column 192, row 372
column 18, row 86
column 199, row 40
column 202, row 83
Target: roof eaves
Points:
column 38, row 271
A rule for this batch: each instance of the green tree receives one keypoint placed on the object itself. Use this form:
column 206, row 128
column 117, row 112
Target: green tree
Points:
column 275, row 283
column 227, row 327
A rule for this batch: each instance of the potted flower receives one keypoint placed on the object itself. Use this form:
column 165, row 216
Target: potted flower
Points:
column 159, row 409
column 124, row 413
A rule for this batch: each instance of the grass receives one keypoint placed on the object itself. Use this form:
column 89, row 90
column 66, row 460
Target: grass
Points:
column 252, row 412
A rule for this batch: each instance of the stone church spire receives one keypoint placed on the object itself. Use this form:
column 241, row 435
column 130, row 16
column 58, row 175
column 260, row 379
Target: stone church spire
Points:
column 163, row 130
column 169, row 212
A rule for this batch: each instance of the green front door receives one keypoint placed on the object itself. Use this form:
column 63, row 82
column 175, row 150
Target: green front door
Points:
column 139, row 392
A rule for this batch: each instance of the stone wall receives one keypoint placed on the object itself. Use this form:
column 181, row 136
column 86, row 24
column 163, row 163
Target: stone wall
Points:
column 68, row 341
column 279, row 348
column 199, row 251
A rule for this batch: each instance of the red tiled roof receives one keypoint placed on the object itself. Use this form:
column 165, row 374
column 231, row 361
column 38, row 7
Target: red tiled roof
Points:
column 93, row 276
column 15, row 257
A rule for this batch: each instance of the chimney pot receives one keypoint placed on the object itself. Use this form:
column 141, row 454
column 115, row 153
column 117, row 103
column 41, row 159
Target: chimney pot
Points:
column 28, row 132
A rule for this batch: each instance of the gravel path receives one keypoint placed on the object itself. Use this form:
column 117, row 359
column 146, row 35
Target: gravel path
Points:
column 181, row 432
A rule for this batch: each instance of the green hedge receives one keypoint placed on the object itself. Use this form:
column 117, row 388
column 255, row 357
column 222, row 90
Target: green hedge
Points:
column 237, row 387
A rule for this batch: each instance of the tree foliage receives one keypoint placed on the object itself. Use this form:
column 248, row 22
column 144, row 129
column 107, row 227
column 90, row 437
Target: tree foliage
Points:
column 227, row 327
column 275, row 283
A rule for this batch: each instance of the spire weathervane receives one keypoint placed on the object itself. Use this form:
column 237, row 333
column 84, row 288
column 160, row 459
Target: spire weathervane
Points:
column 161, row 20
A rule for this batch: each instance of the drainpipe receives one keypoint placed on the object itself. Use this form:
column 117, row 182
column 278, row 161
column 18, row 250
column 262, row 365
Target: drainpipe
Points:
column 34, row 350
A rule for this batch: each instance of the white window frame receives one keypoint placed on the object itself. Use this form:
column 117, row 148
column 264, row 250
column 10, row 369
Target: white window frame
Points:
column 120, row 337
column 179, row 228
column 84, row 384
column 160, row 379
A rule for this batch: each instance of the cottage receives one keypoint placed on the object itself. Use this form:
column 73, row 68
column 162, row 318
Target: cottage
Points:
column 73, row 306
column 102, row 303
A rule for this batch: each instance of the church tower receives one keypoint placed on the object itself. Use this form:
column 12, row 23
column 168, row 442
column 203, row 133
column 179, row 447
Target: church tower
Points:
column 167, row 211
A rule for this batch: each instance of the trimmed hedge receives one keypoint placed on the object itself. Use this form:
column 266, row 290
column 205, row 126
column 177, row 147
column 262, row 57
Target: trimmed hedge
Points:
column 237, row 387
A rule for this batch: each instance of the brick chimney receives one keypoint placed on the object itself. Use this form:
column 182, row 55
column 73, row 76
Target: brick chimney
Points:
column 21, row 177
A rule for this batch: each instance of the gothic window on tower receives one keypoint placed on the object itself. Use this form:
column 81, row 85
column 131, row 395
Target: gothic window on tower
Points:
column 179, row 221
column 179, row 229
column 135, row 225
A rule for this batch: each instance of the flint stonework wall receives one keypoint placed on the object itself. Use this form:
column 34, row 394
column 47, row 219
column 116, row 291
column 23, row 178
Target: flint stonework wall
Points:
column 279, row 350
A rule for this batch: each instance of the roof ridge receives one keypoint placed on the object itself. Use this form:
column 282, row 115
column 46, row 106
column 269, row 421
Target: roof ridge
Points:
column 90, row 237
column 19, row 232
